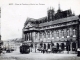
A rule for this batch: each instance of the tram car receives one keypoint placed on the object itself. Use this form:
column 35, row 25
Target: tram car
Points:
column 25, row 48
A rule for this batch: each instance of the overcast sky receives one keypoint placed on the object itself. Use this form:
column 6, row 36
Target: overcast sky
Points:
column 14, row 16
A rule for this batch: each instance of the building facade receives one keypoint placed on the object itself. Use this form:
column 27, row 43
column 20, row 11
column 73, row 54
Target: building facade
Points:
column 60, row 30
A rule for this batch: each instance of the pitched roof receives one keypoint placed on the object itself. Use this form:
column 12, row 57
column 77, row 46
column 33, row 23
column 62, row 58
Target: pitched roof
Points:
column 67, row 19
column 34, row 20
column 57, row 21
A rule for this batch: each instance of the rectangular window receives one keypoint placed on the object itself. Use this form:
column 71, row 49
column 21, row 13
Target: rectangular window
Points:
column 49, row 34
column 44, row 35
column 57, row 33
column 40, row 35
column 74, row 32
column 62, row 33
column 68, row 32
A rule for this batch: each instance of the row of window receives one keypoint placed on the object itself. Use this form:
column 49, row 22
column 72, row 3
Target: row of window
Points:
column 51, row 33
column 57, row 33
column 62, row 45
column 58, row 25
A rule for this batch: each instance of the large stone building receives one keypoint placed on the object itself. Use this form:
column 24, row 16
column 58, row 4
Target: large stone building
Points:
column 60, row 30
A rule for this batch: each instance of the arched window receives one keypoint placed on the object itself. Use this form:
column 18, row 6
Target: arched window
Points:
column 68, row 45
column 62, row 46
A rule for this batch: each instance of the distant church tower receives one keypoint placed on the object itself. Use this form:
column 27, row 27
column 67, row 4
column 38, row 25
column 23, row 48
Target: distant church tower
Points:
column 59, row 9
column 50, row 13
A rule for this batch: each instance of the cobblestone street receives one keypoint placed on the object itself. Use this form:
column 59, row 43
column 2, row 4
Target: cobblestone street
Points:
column 38, row 56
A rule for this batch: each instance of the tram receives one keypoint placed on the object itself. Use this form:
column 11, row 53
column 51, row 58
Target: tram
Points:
column 25, row 48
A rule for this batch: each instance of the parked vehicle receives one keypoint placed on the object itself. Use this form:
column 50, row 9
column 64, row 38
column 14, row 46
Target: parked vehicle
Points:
column 8, row 51
column 24, row 48
column 54, row 50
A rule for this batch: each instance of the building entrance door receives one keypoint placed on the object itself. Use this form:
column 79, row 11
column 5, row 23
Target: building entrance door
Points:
column 73, row 46
column 44, row 46
column 57, row 46
column 68, row 45
column 62, row 46
column 48, row 46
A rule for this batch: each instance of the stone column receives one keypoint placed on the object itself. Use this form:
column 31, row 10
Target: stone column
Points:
column 50, row 35
column 31, row 37
column 38, row 37
column 41, row 35
column 46, row 34
column 54, row 34
column 71, row 46
column 25, row 37
column 46, row 45
column 50, row 46
column 28, row 36
column 34, row 36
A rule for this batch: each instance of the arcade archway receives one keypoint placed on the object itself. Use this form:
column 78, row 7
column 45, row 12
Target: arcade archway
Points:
column 73, row 46
column 62, row 46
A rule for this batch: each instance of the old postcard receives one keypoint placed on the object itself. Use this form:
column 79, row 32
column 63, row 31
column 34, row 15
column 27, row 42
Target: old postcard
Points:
column 39, row 29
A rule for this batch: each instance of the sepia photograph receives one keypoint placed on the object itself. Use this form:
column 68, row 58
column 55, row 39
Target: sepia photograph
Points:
column 39, row 29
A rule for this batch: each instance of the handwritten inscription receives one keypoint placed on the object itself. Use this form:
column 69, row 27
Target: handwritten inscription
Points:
column 26, row 4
